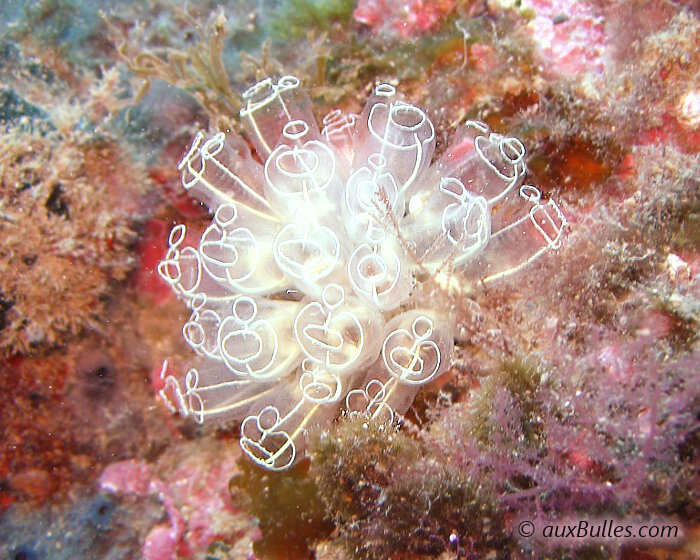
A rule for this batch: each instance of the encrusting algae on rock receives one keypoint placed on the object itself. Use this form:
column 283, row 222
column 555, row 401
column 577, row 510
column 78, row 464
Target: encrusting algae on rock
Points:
column 69, row 206
column 308, row 288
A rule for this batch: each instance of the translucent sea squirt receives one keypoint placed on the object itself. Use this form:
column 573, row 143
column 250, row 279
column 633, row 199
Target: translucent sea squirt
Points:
column 301, row 288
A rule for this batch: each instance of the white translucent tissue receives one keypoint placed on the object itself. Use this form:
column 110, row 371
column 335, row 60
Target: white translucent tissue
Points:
column 301, row 287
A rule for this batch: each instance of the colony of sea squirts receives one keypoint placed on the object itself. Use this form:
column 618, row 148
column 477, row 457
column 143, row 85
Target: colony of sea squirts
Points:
column 303, row 288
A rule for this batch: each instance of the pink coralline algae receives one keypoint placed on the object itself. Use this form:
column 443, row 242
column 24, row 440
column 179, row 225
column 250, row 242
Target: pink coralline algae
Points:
column 316, row 288
column 195, row 498
column 415, row 17
column 569, row 35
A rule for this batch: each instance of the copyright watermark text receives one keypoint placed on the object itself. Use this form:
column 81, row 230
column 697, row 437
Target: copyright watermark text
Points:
column 572, row 532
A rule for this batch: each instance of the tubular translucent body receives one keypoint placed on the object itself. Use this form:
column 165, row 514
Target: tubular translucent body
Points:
column 302, row 288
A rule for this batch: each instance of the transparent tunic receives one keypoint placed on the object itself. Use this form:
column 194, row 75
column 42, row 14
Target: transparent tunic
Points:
column 303, row 287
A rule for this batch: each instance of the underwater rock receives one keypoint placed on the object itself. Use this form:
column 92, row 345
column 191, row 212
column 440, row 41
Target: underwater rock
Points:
column 91, row 526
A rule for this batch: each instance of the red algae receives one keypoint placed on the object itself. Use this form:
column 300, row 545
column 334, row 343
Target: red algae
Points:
column 576, row 167
column 150, row 249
